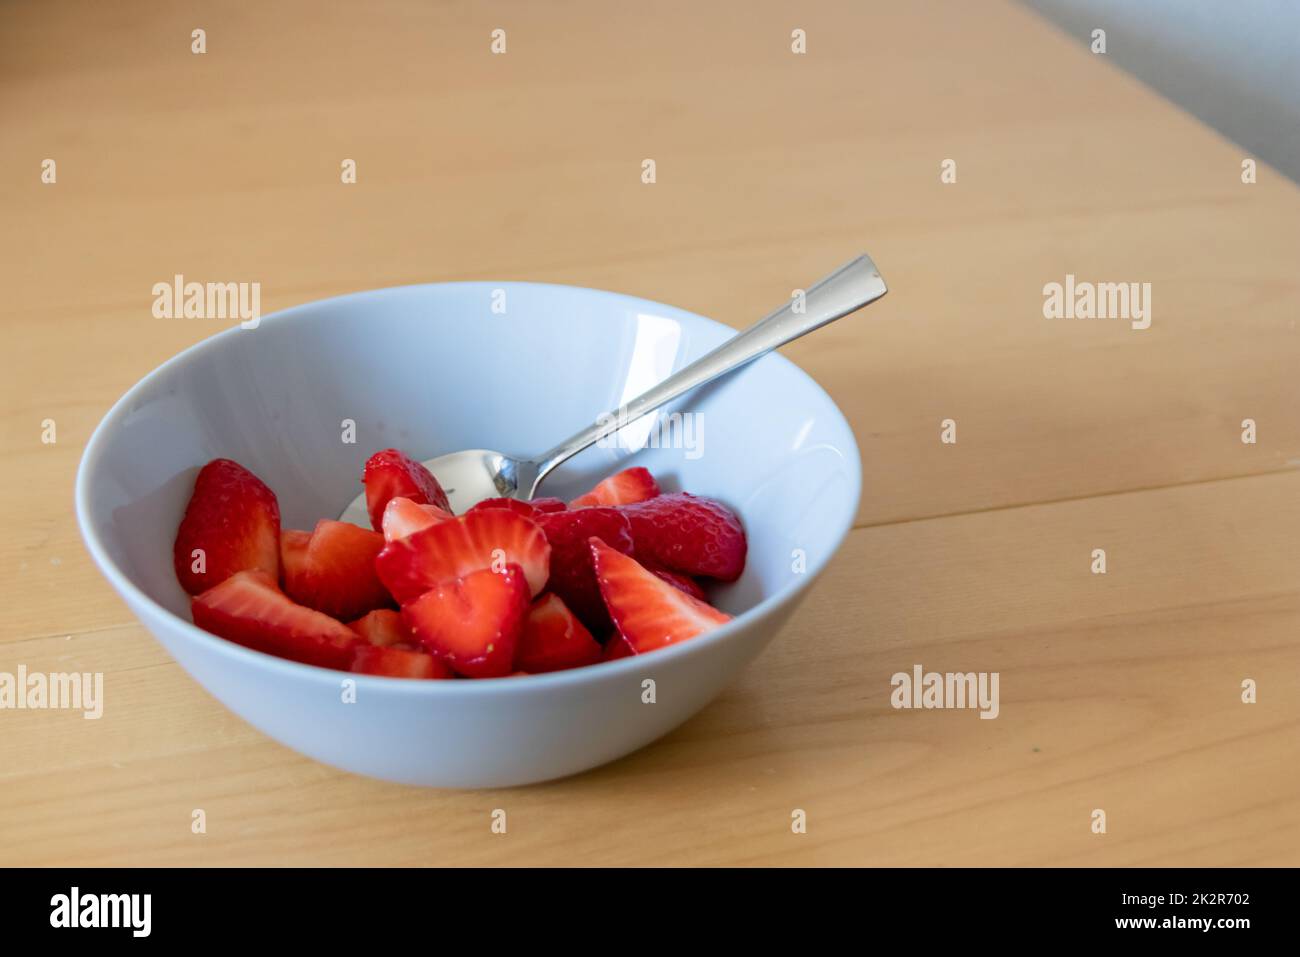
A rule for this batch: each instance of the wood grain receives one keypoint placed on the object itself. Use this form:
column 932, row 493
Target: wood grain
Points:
column 1119, row 691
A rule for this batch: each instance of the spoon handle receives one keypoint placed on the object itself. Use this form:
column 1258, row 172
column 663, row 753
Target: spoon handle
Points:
column 847, row 289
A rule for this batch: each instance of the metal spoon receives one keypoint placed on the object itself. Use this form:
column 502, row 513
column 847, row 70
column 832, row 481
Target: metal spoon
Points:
column 476, row 474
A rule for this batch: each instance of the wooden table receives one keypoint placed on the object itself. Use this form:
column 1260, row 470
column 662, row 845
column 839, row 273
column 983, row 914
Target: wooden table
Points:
column 1119, row 692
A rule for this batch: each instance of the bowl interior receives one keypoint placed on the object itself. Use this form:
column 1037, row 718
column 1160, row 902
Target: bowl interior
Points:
column 433, row 369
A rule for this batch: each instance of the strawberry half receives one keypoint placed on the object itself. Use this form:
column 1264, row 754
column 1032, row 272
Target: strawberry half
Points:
column 622, row 488
column 403, row 517
column 382, row 627
column 250, row 610
column 648, row 612
column 473, row 623
column 685, row 582
column 488, row 539
column 688, row 534
column 397, row 663
column 572, row 575
column 231, row 524
column 392, row 473
column 337, row 575
column 293, row 557
column 553, row 639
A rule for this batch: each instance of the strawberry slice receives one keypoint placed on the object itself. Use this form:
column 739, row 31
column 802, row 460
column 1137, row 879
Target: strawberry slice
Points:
column 616, row 647
column 473, row 623
column 383, row 628
column 526, row 509
column 648, row 612
column 337, row 574
column 688, row 534
column 397, row 663
column 403, row 517
column 232, row 524
column 685, row 582
column 392, row 473
column 488, row 539
column 250, row 610
column 553, row 639
column 293, row 557
column 622, row 488
column 572, row 575
column 548, row 503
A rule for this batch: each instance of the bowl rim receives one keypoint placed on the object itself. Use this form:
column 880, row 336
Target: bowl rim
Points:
column 142, row 602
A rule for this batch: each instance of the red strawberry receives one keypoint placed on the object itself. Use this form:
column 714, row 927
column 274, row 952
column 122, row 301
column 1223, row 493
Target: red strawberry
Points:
column 622, row 488
column 491, row 539
column 553, row 639
column 685, row 582
column 403, row 517
column 526, row 509
column 392, row 473
column 382, row 627
column 338, row 571
column 648, row 612
column 397, row 663
column 572, row 576
column 250, row 610
column 293, row 557
column 473, row 623
column 232, row 524
column 548, row 504
column 616, row 647
column 685, row 533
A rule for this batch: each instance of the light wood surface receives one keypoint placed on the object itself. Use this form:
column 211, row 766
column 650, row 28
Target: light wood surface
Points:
column 1120, row 692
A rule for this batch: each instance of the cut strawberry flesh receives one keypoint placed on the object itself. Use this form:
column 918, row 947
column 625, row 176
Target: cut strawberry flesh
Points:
column 526, row 509
column 293, row 557
column 392, row 473
column 382, row 627
column 548, row 504
column 337, row 574
column 623, row 488
column 553, row 639
column 488, row 539
column 472, row 624
column 648, row 612
column 403, row 518
column 685, row 582
column 397, row 663
column 572, row 575
column 250, row 610
column 231, row 524
column 688, row 534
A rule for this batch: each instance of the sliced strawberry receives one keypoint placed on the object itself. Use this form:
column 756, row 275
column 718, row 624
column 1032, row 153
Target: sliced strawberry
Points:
column 473, row 623
column 397, row 663
column 548, row 503
column 232, row 524
column 382, row 627
column 293, row 557
column 403, row 517
column 616, row 647
column 648, row 612
column 685, row 582
column 553, row 639
column 688, row 534
column 622, row 488
column 338, row 571
column 250, row 610
column 572, row 575
column 391, row 474
column 526, row 509
column 491, row 539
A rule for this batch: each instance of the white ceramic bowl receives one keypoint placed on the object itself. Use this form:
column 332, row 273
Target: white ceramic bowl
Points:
column 433, row 369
